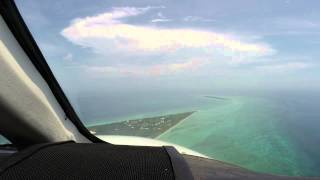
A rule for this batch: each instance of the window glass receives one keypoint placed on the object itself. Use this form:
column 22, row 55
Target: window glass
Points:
column 237, row 81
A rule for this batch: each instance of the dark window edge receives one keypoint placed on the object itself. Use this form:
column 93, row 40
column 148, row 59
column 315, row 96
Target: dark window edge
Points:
column 19, row 29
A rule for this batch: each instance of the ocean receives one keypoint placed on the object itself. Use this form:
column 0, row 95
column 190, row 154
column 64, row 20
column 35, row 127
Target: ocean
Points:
column 274, row 133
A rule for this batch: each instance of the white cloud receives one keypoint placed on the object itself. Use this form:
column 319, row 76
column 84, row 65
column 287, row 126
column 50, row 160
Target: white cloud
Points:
column 109, row 30
column 197, row 18
column 153, row 70
column 160, row 15
column 284, row 67
column 160, row 20
column 68, row 57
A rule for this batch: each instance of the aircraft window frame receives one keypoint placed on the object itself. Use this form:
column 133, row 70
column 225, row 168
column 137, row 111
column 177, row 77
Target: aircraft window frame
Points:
column 11, row 15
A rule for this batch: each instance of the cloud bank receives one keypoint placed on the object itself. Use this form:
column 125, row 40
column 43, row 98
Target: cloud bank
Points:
column 111, row 32
column 99, row 31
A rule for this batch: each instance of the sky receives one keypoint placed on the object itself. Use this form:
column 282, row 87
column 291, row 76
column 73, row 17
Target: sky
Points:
column 113, row 45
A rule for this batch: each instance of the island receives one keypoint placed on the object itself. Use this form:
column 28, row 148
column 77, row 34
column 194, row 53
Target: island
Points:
column 216, row 97
column 150, row 127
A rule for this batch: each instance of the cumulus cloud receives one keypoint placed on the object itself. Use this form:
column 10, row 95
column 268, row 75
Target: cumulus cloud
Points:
column 110, row 29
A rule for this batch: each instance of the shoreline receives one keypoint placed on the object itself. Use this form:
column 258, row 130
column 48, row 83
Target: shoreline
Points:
column 151, row 127
column 138, row 116
column 168, row 130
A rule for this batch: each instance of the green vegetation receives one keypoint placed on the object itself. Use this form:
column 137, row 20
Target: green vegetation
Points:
column 146, row 127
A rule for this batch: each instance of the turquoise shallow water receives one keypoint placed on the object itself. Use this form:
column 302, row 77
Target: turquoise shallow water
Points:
column 248, row 132
column 241, row 132
column 266, row 134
